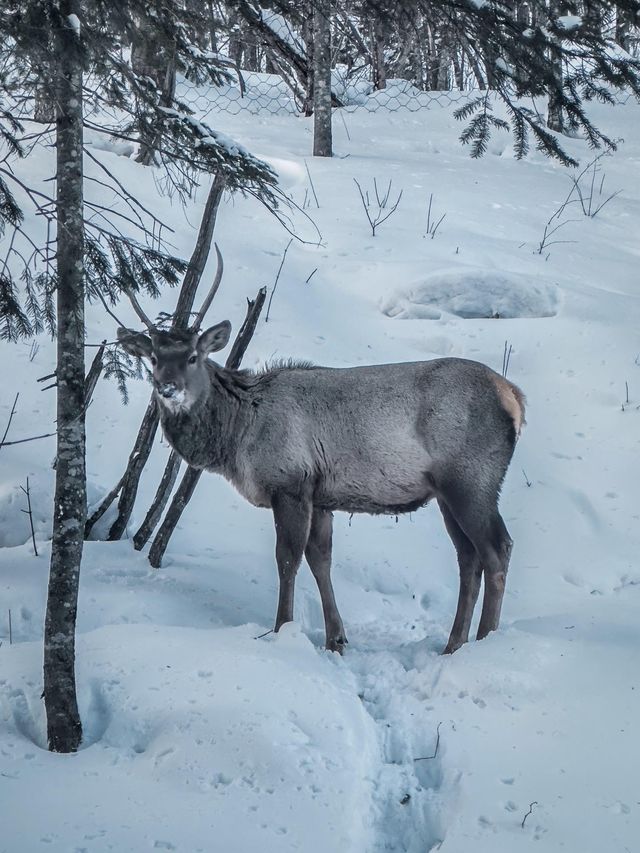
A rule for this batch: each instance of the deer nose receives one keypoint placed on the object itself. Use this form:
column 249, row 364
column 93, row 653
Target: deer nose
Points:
column 167, row 389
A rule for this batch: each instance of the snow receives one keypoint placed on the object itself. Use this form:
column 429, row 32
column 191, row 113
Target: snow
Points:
column 472, row 293
column 569, row 22
column 201, row 734
column 74, row 23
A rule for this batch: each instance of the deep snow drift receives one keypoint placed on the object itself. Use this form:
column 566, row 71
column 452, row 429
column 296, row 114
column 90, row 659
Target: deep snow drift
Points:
column 199, row 736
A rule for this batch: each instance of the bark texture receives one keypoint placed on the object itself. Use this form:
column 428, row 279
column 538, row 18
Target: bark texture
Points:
column 322, row 139
column 64, row 729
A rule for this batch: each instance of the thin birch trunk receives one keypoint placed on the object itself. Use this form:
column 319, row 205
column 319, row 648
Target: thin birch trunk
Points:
column 64, row 729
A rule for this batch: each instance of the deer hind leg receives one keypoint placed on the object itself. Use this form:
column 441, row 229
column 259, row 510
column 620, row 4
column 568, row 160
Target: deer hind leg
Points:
column 477, row 515
column 470, row 576
column 292, row 517
column 318, row 554
column 495, row 554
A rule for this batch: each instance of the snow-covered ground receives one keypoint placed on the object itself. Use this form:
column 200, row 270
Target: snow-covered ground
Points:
column 202, row 735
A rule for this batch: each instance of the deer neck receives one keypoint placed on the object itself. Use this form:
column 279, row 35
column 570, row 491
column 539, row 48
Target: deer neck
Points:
column 203, row 435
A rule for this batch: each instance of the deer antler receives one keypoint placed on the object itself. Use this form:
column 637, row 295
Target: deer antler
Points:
column 137, row 308
column 214, row 287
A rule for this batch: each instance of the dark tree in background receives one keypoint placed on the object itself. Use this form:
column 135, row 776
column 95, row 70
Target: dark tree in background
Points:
column 322, row 138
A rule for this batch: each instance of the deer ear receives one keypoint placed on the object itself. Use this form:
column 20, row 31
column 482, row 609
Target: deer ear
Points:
column 135, row 343
column 215, row 338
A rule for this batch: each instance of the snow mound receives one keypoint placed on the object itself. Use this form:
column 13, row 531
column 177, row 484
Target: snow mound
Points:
column 195, row 742
column 472, row 294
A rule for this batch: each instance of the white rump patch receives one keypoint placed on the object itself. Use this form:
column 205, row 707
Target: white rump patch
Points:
column 471, row 294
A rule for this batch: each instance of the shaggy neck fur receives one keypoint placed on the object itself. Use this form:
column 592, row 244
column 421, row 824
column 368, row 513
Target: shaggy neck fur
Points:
column 200, row 434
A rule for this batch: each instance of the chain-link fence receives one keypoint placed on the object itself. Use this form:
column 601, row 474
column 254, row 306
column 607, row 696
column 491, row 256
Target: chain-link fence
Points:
column 257, row 93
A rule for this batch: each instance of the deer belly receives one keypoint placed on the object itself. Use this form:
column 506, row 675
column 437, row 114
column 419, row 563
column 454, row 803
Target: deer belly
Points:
column 383, row 486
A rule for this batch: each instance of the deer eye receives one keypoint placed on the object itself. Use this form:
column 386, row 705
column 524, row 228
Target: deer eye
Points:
column 154, row 360
column 192, row 359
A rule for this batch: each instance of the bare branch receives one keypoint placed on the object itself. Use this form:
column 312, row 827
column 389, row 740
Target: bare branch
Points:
column 11, row 414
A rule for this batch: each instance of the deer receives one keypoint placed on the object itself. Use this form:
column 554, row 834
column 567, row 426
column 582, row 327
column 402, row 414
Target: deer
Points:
column 306, row 441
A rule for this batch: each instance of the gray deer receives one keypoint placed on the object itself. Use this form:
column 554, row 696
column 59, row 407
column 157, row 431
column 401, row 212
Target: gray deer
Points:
column 305, row 441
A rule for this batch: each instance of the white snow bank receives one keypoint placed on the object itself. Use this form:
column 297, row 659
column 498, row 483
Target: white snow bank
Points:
column 474, row 294
column 179, row 728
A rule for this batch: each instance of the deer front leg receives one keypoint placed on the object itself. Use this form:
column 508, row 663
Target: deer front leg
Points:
column 318, row 554
column 292, row 517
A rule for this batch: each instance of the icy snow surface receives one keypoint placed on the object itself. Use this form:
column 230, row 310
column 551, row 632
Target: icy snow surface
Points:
column 200, row 737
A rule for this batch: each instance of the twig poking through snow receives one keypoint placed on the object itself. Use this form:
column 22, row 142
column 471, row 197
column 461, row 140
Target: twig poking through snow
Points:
column 381, row 216
column 313, row 189
column 506, row 357
column 11, row 414
column 28, row 512
column 531, row 805
column 266, row 633
column 275, row 284
column 435, row 751
column 432, row 227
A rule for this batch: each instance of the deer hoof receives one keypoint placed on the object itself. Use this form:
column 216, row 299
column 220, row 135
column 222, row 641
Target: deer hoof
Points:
column 336, row 644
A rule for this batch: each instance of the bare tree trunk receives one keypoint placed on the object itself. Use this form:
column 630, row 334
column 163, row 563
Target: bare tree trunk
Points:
column 213, row 36
column 457, row 57
column 623, row 27
column 235, row 49
column 153, row 58
column 156, row 509
column 64, row 729
column 378, row 38
column 444, row 60
column 137, row 460
column 183, row 495
column 44, row 109
column 308, row 38
column 322, row 139
column 555, row 117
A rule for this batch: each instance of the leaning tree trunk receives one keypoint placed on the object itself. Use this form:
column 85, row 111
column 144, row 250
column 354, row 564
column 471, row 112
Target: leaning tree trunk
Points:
column 127, row 487
column 322, row 141
column 64, row 729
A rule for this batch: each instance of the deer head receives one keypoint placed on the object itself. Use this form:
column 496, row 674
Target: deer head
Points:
column 178, row 356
